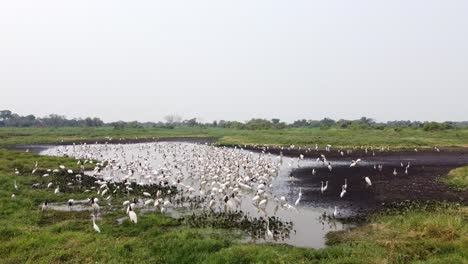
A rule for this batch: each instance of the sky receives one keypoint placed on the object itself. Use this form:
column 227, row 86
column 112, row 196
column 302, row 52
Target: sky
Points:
column 235, row 60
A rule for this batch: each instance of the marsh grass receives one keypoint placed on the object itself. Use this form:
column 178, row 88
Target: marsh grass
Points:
column 458, row 178
column 404, row 138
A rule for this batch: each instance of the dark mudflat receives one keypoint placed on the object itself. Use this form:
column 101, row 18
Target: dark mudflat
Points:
column 422, row 183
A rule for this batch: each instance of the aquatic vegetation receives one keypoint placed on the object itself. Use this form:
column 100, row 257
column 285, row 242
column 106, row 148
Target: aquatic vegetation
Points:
column 256, row 227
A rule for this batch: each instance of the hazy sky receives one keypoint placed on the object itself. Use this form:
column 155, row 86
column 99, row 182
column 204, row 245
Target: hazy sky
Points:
column 233, row 60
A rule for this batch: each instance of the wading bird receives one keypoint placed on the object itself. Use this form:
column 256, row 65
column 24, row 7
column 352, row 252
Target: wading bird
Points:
column 132, row 215
column 324, row 188
column 298, row 198
column 96, row 227
column 45, row 206
column 269, row 233
column 94, row 205
column 354, row 163
column 343, row 191
column 368, row 181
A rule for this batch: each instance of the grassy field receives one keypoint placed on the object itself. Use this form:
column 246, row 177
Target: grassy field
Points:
column 406, row 138
column 437, row 234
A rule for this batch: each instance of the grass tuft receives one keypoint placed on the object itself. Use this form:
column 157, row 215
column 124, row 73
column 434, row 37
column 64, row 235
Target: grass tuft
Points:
column 458, row 178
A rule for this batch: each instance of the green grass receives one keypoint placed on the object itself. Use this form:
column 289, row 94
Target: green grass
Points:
column 406, row 138
column 439, row 236
column 458, row 178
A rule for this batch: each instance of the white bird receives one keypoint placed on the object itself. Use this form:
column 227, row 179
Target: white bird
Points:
column 324, row 188
column 269, row 233
column 146, row 194
column 16, row 186
column 343, row 192
column 395, row 172
column 283, row 200
column 132, row 215
column 148, row 202
column 212, row 203
column 256, row 198
column 313, row 172
column 345, row 183
column 329, row 166
column 167, row 203
column 298, row 198
column 94, row 204
column 335, row 213
column 354, row 163
column 45, row 205
column 96, row 227
column 57, row 190
column 368, row 181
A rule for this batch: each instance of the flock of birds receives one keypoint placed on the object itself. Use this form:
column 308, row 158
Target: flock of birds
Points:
column 226, row 179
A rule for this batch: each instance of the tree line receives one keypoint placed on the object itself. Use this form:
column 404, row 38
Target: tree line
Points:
column 10, row 119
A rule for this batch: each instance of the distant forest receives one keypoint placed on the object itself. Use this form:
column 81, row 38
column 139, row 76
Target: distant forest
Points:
column 10, row 119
